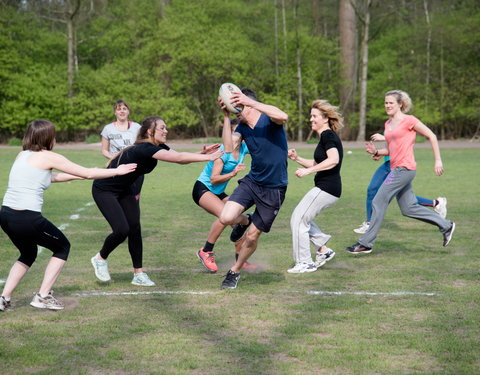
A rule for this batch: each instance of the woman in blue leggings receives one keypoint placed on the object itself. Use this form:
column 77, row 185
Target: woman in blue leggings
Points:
column 439, row 205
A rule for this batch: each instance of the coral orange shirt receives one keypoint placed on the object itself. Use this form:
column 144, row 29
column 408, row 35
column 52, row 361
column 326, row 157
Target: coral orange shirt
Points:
column 400, row 141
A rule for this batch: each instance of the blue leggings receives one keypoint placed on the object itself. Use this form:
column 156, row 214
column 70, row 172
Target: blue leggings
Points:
column 377, row 180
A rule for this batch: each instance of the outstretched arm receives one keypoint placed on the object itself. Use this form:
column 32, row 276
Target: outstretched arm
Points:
column 72, row 171
column 172, row 156
column 424, row 130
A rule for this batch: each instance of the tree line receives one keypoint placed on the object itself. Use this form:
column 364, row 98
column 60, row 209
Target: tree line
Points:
column 69, row 60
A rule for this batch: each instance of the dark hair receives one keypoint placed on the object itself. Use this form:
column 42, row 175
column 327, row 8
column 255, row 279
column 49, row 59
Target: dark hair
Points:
column 250, row 93
column 120, row 102
column 150, row 123
column 40, row 135
column 234, row 121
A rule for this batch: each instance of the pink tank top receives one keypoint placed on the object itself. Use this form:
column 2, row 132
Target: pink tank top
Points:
column 401, row 140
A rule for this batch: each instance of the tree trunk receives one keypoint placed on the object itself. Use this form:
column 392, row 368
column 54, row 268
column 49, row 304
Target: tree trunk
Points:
column 299, row 76
column 72, row 48
column 276, row 40
column 364, row 72
column 429, row 42
column 348, row 53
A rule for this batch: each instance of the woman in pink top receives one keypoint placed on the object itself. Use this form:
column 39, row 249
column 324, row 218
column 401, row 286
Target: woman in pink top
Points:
column 400, row 133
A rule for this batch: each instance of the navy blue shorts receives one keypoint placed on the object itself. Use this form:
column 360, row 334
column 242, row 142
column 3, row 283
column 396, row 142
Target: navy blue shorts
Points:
column 267, row 201
column 199, row 189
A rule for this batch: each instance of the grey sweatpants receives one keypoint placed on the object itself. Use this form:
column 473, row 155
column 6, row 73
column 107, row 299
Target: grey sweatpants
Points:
column 399, row 184
column 304, row 229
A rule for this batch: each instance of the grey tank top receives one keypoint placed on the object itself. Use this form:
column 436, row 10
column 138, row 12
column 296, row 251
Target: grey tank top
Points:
column 26, row 184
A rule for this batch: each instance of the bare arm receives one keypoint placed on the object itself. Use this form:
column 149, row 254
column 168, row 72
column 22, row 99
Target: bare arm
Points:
column 307, row 163
column 424, row 130
column 277, row 115
column 72, row 171
column 333, row 158
column 172, row 156
column 217, row 178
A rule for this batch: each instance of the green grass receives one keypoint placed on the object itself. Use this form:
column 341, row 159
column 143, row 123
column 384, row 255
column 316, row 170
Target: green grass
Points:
column 270, row 324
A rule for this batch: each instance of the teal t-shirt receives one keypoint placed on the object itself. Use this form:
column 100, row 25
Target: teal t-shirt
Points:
column 229, row 164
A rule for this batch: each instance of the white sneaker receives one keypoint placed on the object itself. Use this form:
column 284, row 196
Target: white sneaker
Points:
column 441, row 207
column 49, row 302
column 362, row 229
column 322, row 258
column 101, row 268
column 142, row 279
column 302, row 268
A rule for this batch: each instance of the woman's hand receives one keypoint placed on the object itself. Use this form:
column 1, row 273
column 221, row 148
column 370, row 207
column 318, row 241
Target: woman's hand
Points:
column 292, row 154
column 126, row 168
column 301, row 172
column 438, row 167
column 238, row 168
column 210, row 148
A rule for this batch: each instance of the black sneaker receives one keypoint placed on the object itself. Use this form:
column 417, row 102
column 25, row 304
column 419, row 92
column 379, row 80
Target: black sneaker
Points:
column 447, row 236
column 239, row 230
column 358, row 248
column 231, row 280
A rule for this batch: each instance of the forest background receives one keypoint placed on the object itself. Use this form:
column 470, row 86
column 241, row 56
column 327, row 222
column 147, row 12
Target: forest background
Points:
column 69, row 60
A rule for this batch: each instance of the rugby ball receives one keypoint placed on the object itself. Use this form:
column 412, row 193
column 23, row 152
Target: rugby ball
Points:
column 225, row 92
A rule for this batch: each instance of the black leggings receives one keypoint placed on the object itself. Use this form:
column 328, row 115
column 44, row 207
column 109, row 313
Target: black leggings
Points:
column 122, row 212
column 28, row 230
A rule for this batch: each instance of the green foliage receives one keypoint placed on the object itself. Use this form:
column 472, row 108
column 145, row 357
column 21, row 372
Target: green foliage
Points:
column 172, row 64
column 15, row 142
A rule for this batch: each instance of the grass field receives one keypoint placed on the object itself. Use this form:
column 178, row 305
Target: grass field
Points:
column 410, row 307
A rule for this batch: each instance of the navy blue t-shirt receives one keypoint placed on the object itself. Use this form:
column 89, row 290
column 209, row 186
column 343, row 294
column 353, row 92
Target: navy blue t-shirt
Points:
column 267, row 144
column 140, row 154
column 330, row 180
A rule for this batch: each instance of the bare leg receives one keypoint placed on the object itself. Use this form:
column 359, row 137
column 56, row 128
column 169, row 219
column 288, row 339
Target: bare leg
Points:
column 248, row 247
column 16, row 274
column 54, row 267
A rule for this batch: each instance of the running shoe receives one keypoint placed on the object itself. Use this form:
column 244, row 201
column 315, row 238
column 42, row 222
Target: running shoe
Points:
column 247, row 266
column 358, row 248
column 239, row 230
column 4, row 304
column 101, row 268
column 447, row 236
column 302, row 268
column 208, row 260
column 362, row 229
column 142, row 279
column 441, row 207
column 49, row 302
column 322, row 258
column 231, row 280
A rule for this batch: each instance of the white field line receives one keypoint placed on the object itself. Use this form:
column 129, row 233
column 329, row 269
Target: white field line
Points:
column 314, row 292
column 88, row 294
column 341, row 293
column 2, row 281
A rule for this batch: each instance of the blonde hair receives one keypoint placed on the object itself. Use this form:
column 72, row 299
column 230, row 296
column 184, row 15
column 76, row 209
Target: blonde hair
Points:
column 335, row 119
column 403, row 99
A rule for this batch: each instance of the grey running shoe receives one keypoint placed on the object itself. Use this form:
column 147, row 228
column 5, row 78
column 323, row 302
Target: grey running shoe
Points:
column 239, row 230
column 101, row 268
column 322, row 258
column 49, row 302
column 231, row 280
column 142, row 279
column 447, row 236
column 4, row 304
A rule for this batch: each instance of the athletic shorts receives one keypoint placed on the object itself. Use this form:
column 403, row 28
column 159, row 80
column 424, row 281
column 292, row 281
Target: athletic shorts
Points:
column 199, row 189
column 267, row 201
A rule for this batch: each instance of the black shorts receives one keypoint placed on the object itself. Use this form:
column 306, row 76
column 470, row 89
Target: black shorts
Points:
column 199, row 189
column 267, row 201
